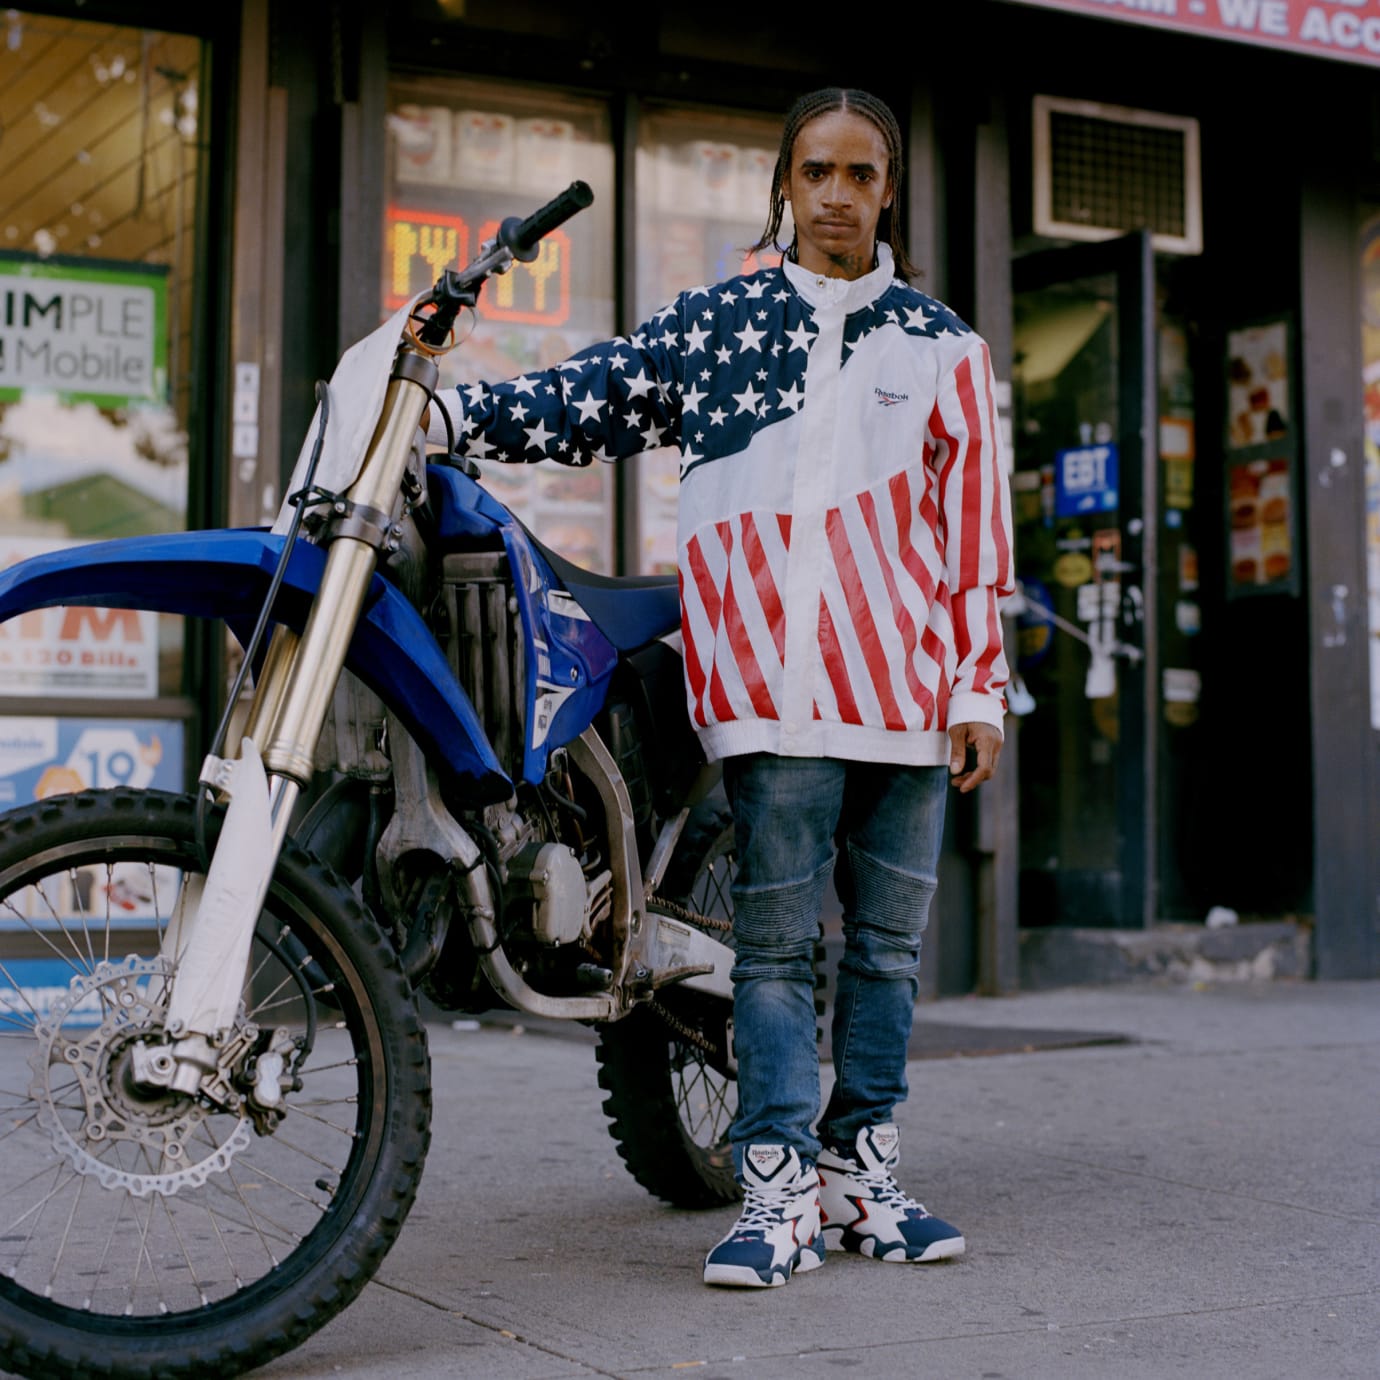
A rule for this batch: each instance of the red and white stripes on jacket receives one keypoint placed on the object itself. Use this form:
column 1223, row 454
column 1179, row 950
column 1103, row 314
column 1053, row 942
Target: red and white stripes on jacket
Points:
column 844, row 519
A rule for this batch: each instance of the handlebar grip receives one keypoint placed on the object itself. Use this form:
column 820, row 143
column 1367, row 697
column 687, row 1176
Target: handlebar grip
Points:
column 520, row 237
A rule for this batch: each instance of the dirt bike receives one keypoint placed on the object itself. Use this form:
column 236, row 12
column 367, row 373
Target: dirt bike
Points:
column 465, row 771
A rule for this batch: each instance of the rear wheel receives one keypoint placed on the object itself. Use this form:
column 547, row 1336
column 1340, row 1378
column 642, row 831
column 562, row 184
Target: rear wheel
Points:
column 144, row 1232
column 666, row 1067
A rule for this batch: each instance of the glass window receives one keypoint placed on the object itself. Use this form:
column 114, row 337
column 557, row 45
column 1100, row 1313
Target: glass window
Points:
column 101, row 155
column 463, row 155
column 703, row 196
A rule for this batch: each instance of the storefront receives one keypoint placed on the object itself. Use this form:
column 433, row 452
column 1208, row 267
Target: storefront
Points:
column 1195, row 482
column 107, row 161
column 1164, row 223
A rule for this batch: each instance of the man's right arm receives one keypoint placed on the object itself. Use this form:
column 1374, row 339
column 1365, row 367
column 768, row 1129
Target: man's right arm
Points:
column 605, row 402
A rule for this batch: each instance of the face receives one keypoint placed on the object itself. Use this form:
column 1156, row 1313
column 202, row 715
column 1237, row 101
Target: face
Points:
column 838, row 186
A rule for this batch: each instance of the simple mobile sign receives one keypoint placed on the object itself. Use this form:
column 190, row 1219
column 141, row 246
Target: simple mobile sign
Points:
column 1085, row 480
column 85, row 329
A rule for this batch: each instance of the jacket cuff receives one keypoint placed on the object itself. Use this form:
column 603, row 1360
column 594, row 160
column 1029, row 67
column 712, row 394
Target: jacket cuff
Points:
column 967, row 707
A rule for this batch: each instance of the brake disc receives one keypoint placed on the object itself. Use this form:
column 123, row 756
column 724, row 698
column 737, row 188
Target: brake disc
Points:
column 115, row 1109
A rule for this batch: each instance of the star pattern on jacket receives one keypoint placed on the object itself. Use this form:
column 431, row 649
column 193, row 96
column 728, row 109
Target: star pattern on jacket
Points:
column 719, row 362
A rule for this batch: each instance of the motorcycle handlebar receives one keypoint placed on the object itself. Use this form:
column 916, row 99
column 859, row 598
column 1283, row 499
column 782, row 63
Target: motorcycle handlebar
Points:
column 516, row 239
column 520, row 237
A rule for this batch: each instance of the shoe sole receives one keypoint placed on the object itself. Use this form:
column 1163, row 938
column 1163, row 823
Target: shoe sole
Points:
column 744, row 1277
column 937, row 1250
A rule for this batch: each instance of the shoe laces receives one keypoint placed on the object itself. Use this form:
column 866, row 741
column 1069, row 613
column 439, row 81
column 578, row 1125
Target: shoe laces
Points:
column 886, row 1190
column 764, row 1208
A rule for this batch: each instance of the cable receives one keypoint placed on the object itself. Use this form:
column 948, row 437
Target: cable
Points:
column 251, row 648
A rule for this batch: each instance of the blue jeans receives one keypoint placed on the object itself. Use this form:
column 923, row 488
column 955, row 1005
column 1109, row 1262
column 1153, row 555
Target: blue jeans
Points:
column 877, row 829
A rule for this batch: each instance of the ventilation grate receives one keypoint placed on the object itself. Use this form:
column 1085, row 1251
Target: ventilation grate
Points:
column 1104, row 170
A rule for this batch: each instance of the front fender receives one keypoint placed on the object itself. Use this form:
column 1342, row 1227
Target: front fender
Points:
column 225, row 574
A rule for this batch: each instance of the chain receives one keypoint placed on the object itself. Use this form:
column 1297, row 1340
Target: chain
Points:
column 684, row 1030
column 659, row 905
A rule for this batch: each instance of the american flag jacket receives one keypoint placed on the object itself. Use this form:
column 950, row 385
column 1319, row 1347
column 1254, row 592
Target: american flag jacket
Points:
column 844, row 526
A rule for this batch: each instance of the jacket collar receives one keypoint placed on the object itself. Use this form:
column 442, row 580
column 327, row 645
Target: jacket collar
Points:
column 851, row 294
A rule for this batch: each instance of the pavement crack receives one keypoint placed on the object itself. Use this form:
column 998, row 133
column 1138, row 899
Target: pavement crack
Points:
column 926, row 1339
column 506, row 1333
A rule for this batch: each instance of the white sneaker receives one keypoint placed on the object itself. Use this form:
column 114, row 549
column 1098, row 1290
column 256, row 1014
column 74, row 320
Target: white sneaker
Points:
column 863, row 1210
column 778, row 1233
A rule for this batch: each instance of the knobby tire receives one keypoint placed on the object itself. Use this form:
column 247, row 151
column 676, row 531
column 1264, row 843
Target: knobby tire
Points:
column 670, row 1102
column 286, row 1228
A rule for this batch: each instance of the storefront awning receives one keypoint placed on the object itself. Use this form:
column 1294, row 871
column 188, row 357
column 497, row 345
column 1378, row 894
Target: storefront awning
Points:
column 1348, row 30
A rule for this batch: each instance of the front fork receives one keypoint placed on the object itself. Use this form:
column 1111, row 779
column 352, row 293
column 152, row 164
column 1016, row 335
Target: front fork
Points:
column 291, row 701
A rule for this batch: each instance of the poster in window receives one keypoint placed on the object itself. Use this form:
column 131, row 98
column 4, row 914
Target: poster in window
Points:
column 79, row 653
column 1257, row 384
column 1261, row 554
column 42, row 756
column 1261, row 488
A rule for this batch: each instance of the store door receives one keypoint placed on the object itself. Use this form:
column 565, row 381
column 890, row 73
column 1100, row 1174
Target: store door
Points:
column 1084, row 407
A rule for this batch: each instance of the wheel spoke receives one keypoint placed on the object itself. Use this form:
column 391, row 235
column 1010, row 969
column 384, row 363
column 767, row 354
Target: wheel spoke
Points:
column 300, row 1109
column 121, row 1198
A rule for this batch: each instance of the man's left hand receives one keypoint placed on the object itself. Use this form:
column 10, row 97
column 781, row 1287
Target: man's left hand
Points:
column 986, row 744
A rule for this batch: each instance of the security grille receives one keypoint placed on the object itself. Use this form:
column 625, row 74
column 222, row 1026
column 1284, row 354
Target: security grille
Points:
column 1105, row 170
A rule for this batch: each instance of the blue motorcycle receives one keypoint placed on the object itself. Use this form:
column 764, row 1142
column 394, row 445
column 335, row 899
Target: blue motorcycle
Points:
column 465, row 768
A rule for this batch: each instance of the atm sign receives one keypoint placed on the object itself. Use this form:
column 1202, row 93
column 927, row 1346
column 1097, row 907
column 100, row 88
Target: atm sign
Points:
column 420, row 245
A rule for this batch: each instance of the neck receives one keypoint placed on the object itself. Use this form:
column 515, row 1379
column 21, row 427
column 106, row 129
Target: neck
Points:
column 850, row 266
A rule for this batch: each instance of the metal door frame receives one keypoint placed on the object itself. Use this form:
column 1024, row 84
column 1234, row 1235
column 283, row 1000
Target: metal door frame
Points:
column 1131, row 260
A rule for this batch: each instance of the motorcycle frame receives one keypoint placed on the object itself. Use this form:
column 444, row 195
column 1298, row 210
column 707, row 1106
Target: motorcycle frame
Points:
column 337, row 613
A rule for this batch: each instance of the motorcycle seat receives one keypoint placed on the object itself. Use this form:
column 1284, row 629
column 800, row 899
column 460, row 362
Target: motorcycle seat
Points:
column 630, row 610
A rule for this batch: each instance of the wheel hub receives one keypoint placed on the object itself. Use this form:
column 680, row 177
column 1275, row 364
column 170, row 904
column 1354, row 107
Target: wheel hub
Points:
column 117, row 1107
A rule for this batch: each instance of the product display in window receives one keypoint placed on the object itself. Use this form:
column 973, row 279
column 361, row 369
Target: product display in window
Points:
column 462, row 157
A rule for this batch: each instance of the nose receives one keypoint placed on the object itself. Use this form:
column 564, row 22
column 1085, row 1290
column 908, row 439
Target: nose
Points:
column 838, row 192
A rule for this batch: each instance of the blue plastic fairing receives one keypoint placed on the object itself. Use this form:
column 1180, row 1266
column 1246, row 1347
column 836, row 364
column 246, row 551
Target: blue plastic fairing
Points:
column 225, row 575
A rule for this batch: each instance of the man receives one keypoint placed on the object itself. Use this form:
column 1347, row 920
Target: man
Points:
column 844, row 540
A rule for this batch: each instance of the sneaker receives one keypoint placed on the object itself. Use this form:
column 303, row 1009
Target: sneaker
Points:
column 778, row 1233
column 864, row 1211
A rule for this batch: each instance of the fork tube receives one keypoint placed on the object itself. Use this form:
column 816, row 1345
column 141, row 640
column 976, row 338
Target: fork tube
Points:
column 282, row 796
column 350, row 565
column 269, row 685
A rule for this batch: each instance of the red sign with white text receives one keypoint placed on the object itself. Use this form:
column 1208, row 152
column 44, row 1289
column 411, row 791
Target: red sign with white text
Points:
column 1345, row 29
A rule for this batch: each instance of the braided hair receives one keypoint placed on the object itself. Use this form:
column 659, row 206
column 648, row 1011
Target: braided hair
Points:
column 824, row 102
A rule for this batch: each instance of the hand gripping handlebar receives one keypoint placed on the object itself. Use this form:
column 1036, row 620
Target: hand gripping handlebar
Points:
column 516, row 239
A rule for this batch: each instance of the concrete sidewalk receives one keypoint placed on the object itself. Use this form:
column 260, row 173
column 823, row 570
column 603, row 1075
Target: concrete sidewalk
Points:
column 1197, row 1201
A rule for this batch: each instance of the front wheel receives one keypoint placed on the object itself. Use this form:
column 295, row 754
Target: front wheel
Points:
column 147, row 1233
column 672, row 1094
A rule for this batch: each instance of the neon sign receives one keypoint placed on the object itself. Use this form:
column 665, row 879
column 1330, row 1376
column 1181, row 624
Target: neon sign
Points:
column 420, row 245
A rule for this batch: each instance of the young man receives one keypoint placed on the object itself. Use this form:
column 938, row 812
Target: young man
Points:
column 844, row 540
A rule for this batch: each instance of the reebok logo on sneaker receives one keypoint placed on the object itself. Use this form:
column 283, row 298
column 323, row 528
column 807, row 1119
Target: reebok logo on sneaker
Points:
column 885, row 1139
column 766, row 1159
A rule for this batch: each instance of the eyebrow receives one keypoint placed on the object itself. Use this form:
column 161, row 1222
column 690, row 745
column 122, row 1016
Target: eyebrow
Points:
column 853, row 167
